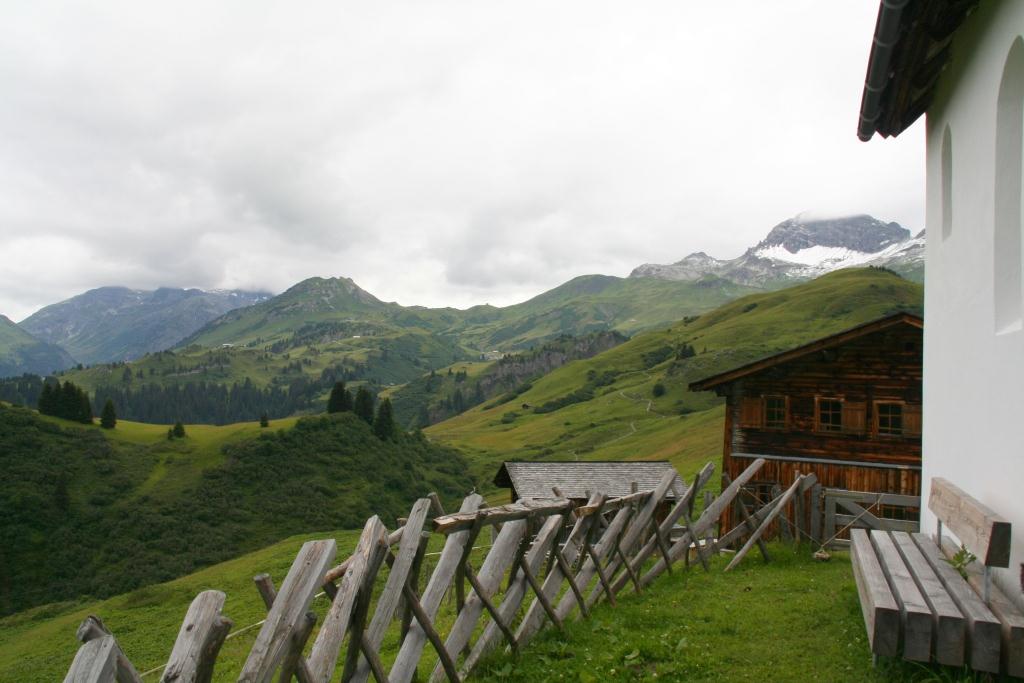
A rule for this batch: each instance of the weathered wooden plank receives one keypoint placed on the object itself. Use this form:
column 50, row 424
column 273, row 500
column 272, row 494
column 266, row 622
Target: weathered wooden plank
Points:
column 877, row 603
column 682, row 506
column 614, row 503
column 904, row 525
column 816, row 513
column 633, row 534
column 414, row 581
column 483, row 593
column 92, row 627
column 267, row 591
column 95, row 662
column 985, row 533
column 948, row 626
column 532, row 562
column 707, row 518
column 983, row 629
column 615, row 533
column 294, row 598
column 430, row 633
column 873, row 497
column 776, row 511
column 412, row 647
column 199, row 640
column 521, row 509
column 915, row 615
column 1009, row 615
column 534, row 617
column 398, row 576
column 489, row 580
column 290, row 663
column 366, row 559
column 337, row 572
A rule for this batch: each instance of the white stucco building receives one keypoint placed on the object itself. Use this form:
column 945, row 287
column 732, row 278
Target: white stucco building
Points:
column 963, row 64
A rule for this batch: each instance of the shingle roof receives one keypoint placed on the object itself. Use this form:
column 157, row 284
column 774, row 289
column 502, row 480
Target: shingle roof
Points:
column 574, row 478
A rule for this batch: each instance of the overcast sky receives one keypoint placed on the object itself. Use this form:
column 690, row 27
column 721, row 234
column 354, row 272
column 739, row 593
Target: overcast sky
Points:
column 439, row 153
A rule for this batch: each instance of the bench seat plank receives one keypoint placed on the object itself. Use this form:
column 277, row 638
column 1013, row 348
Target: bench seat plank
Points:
column 915, row 616
column 949, row 628
column 983, row 629
column 881, row 613
column 1009, row 615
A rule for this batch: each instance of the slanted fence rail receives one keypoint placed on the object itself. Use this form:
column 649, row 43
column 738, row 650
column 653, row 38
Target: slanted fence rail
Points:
column 550, row 577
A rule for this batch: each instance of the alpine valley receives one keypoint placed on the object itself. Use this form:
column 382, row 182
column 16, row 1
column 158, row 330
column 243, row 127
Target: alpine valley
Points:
column 219, row 357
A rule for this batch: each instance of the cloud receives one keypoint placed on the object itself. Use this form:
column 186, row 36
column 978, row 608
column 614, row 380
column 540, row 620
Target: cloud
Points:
column 438, row 153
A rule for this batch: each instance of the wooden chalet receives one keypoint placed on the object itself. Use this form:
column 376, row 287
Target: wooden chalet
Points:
column 578, row 479
column 846, row 408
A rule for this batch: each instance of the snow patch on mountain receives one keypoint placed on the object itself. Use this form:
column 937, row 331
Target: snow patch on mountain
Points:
column 806, row 246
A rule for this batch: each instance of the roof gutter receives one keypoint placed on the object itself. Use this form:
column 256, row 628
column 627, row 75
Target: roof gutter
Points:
column 887, row 30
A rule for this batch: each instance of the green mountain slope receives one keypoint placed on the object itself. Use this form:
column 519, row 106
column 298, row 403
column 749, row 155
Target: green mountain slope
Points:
column 439, row 395
column 608, row 407
column 21, row 353
column 585, row 304
column 89, row 512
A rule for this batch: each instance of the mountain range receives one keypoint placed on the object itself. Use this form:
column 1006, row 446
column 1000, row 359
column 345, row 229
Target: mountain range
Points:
column 113, row 324
column 116, row 323
column 805, row 247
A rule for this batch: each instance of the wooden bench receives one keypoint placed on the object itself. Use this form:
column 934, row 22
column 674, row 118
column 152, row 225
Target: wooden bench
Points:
column 915, row 602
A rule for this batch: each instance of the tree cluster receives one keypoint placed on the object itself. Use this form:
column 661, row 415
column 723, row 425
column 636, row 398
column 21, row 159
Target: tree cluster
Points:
column 65, row 400
column 342, row 401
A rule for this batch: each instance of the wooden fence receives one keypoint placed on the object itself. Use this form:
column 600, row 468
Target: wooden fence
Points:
column 612, row 544
column 836, row 511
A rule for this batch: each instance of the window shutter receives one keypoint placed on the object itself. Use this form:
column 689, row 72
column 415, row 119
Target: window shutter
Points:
column 912, row 420
column 854, row 417
column 751, row 412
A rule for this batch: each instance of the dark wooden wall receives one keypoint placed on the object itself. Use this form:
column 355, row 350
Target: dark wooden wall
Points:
column 883, row 366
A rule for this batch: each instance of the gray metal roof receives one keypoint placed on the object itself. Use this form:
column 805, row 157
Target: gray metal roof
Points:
column 574, row 478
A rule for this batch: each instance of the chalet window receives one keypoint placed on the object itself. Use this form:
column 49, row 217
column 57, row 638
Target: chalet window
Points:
column 829, row 414
column 776, row 412
column 889, row 419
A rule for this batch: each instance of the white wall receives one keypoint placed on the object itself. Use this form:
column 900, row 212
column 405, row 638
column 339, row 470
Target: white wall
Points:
column 973, row 361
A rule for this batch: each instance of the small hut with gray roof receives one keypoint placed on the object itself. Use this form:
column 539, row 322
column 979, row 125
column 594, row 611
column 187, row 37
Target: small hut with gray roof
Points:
column 576, row 478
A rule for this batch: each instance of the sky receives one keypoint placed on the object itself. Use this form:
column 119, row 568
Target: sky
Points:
column 438, row 153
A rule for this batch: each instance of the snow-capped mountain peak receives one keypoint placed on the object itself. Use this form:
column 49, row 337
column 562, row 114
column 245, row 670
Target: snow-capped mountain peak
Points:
column 806, row 246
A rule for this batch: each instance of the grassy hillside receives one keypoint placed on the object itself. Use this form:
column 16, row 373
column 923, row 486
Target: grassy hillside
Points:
column 439, row 395
column 606, row 407
column 585, row 304
column 688, row 626
column 89, row 512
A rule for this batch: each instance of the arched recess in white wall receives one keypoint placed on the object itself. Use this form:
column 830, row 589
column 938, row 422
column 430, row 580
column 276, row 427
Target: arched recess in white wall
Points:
column 947, row 184
column 1007, row 284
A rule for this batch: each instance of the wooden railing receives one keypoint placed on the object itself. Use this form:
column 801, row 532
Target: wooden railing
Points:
column 611, row 543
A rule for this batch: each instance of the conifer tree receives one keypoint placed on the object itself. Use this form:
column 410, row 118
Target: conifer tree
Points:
column 84, row 412
column 179, row 430
column 108, row 418
column 340, row 400
column 384, row 423
column 363, row 405
column 46, row 399
column 264, row 420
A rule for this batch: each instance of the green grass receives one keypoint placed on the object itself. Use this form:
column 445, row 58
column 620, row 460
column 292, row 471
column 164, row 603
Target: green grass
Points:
column 794, row 619
column 791, row 620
